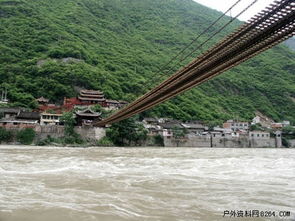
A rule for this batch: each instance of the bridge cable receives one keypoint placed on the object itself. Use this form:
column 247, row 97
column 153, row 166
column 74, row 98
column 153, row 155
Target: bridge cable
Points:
column 163, row 67
column 206, row 41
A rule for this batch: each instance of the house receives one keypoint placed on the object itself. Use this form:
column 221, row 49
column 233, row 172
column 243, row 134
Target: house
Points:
column 262, row 120
column 17, row 123
column 113, row 104
column 277, row 126
column 50, row 119
column 194, row 128
column 259, row 135
column 150, row 120
column 153, row 129
column 286, row 123
column 87, row 117
column 26, row 115
column 22, row 120
column 88, row 97
column 42, row 101
column 123, row 103
column 236, row 125
column 168, row 127
column 7, row 112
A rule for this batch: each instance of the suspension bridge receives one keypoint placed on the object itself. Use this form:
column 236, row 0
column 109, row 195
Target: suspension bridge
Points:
column 268, row 28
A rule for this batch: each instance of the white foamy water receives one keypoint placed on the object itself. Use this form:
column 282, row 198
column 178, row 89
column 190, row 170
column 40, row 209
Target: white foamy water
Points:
column 143, row 183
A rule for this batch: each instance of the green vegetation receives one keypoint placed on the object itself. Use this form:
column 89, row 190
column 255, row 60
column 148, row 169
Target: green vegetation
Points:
column 254, row 127
column 26, row 136
column 5, row 135
column 179, row 134
column 105, row 142
column 289, row 132
column 127, row 133
column 118, row 46
column 158, row 140
column 70, row 136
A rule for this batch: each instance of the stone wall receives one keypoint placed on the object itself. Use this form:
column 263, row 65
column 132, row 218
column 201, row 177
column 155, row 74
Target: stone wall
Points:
column 220, row 142
column 54, row 131
column 92, row 133
column 292, row 143
column 191, row 142
column 234, row 142
column 262, row 142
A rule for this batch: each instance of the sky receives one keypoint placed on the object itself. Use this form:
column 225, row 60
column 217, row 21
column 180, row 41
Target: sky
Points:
column 224, row 5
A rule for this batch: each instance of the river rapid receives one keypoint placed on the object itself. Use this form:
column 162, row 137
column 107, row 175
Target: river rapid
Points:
column 61, row 184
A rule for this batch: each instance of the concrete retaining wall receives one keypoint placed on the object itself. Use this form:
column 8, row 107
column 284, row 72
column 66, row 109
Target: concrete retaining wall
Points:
column 219, row 142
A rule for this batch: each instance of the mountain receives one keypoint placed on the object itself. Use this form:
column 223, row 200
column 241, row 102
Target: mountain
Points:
column 52, row 47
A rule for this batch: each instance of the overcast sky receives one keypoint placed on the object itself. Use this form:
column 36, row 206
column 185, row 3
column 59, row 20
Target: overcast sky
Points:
column 223, row 5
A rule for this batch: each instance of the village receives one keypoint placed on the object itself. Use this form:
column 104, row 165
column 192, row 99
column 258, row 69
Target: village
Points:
column 46, row 122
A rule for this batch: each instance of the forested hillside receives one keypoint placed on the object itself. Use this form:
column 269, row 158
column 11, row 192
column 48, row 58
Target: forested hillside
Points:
column 119, row 45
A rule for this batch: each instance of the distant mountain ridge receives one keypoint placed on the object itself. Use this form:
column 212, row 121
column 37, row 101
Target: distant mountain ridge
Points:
column 120, row 45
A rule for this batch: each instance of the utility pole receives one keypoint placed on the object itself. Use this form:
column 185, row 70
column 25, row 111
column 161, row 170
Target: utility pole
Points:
column 2, row 95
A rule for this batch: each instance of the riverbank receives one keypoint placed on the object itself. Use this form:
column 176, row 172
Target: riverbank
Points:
column 96, row 136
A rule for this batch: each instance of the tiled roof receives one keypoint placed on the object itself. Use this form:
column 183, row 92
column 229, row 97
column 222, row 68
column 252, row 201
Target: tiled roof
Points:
column 91, row 99
column 10, row 110
column 171, row 125
column 29, row 115
column 87, row 113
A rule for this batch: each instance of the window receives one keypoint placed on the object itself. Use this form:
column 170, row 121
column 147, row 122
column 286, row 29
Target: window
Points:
column 252, row 135
column 262, row 135
column 257, row 135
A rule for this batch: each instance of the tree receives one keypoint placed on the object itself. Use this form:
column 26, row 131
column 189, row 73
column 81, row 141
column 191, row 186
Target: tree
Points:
column 69, row 122
column 71, row 136
column 159, row 140
column 127, row 132
column 178, row 134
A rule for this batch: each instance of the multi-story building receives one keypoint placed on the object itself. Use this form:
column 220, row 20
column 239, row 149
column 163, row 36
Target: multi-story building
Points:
column 91, row 97
column 236, row 125
column 50, row 119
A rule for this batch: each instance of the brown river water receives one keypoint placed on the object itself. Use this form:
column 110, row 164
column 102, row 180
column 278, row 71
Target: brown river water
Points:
column 61, row 184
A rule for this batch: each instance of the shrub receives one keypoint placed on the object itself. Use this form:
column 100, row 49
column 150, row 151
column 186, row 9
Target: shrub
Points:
column 105, row 142
column 5, row 135
column 26, row 136
column 159, row 140
column 47, row 141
